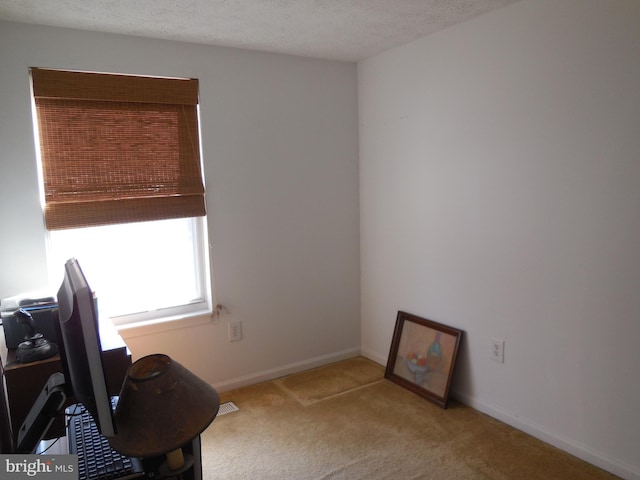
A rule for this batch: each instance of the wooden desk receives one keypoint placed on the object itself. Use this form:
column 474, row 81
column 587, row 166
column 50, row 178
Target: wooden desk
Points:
column 24, row 381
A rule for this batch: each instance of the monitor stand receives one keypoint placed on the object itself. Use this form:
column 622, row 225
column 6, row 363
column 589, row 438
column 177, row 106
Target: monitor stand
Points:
column 47, row 406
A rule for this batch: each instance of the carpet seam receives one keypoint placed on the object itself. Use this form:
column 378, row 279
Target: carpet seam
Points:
column 307, row 403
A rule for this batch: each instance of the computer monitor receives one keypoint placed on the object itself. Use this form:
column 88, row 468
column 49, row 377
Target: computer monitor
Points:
column 81, row 350
column 81, row 357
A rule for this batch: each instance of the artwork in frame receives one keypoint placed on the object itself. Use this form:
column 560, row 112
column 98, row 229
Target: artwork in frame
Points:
column 423, row 356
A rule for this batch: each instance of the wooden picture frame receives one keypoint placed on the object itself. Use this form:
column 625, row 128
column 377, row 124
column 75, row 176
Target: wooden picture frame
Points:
column 423, row 356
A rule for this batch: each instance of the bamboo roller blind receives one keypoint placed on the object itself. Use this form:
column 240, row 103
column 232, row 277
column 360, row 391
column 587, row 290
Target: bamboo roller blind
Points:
column 117, row 148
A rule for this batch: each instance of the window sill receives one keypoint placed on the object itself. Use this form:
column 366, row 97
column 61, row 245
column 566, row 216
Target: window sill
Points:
column 165, row 324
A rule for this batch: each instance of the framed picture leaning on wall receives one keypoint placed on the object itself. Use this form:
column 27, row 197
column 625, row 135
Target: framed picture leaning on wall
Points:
column 423, row 356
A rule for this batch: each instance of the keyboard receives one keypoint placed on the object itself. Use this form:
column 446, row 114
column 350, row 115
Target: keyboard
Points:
column 96, row 459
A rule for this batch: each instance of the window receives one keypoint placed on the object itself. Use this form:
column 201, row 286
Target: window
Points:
column 140, row 271
column 123, row 189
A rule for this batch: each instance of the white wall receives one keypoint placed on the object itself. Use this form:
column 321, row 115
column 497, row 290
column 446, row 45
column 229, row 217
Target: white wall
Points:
column 500, row 193
column 280, row 148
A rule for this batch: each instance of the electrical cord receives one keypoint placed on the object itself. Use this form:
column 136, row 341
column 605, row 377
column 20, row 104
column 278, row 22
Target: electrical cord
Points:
column 67, row 416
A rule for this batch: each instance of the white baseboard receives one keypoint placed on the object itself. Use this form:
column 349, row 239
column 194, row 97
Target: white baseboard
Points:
column 599, row 459
column 266, row 375
column 374, row 357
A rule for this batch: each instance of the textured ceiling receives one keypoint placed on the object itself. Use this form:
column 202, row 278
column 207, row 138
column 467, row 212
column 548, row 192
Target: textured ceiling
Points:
column 349, row 30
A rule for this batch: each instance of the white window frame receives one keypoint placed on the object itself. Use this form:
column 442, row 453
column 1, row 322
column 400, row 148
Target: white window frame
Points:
column 199, row 307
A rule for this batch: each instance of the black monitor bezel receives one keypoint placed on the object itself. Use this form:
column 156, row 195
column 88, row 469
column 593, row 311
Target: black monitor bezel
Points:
column 81, row 348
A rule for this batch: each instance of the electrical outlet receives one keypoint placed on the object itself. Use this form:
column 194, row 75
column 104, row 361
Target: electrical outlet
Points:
column 235, row 331
column 497, row 350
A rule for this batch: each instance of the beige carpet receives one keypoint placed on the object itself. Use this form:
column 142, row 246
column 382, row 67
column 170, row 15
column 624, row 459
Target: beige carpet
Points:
column 345, row 421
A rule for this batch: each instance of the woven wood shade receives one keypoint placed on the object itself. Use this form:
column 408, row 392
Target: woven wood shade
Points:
column 117, row 148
